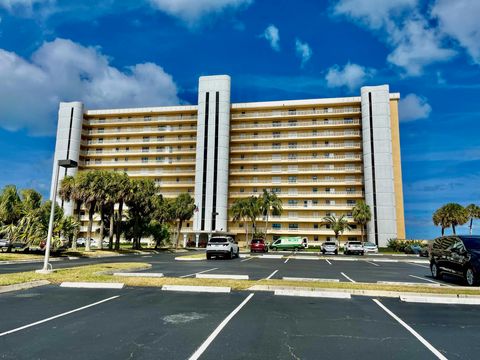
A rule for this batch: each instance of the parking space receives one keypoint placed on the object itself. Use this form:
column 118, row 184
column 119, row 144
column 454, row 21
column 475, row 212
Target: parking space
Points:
column 147, row 323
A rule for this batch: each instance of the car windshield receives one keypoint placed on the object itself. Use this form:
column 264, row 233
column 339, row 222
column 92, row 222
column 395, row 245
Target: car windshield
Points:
column 330, row 243
column 369, row 244
column 218, row 240
column 471, row 243
column 355, row 243
column 256, row 241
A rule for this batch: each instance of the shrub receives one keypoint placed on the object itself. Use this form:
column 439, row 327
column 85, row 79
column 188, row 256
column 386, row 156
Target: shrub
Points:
column 400, row 244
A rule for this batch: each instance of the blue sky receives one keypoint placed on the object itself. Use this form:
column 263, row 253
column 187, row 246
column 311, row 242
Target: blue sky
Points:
column 111, row 53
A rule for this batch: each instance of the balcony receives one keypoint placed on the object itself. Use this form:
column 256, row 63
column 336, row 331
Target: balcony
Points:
column 299, row 147
column 139, row 141
column 295, row 113
column 303, row 194
column 271, row 159
column 139, row 152
column 138, row 130
column 300, row 230
column 284, row 182
column 299, row 124
column 142, row 120
column 110, row 163
column 296, row 135
column 160, row 172
column 297, row 170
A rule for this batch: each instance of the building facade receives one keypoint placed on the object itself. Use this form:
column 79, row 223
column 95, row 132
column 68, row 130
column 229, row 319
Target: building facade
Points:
column 320, row 156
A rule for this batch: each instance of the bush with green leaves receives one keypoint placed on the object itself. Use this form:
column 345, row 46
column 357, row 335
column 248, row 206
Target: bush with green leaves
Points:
column 399, row 245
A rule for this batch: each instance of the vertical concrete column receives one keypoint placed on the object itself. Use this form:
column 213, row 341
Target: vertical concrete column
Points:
column 212, row 158
column 378, row 163
column 67, row 146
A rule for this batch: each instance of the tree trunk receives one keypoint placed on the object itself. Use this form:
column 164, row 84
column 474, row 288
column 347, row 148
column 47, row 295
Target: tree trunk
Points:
column 246, row 233
column 102, row 227
column 91, row 212
column 179, row 228
column 453, row 228
column 119, row 225
column 471, row 225
column 443, row 231
column 361, row 230
column 110, row 232
column 266, row 227
column 75, row 236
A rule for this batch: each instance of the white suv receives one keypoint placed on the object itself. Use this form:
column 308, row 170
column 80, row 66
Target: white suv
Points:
column 353, row 247
column 222, row 246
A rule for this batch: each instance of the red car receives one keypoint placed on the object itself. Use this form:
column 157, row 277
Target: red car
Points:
column 258, row 245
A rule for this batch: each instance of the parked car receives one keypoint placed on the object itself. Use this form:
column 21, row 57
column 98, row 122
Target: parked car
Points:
column 370, row 247
column 82, row 242
column 330, row 247
column 258, row 245
column 457, row 255
column 290, row 243
column 222, row 246
column 353, row 247
column 4, row 244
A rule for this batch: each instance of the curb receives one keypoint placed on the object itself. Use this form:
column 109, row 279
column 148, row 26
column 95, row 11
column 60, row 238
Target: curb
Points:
column 91, row 285
column 23, row 286
column 309, row 279
column 189, row 259
column 133, row 274
column 440, row 300
column 316, row 294
column 192, row 288
column 12, row 262
column 221, row 276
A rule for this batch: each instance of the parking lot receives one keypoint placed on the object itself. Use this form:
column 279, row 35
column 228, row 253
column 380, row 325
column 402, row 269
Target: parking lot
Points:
column 147, row 323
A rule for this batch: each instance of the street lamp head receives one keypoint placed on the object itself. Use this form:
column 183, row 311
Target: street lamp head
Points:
column 67, row 163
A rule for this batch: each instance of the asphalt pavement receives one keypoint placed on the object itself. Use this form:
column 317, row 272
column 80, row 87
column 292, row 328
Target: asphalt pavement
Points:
column 147, row 323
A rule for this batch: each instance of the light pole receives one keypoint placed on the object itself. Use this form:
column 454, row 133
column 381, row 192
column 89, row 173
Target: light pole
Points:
column 65, row 164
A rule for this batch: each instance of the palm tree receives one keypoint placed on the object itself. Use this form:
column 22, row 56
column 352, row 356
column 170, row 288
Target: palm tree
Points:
column 270, row 204
column 451, row 214
column 122, row 190
column 10, row 205
column 362, row 215
column 254, row 211
column 440, row 218
column 338, row 225
column 70, row 190
column 183, row 208
column 473, row 213
column 239, row 211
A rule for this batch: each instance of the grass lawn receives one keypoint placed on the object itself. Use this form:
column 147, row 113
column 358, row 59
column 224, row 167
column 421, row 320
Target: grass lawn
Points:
column 19, row 256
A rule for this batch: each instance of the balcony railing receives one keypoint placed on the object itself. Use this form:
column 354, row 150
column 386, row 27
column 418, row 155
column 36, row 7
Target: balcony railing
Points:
column 322, row 194
column 286, row 135
column 290, row 113
column 298, row 170
column 295, row 124
column 125, row 130
column 160, row 172
column 138, row 162
column 296, row 147
column 295, row 158
column 145, row 119
column 136, row 152
column 153, row 140
column 272, row 182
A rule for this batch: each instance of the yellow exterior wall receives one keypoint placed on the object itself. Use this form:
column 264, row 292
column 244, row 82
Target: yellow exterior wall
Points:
column 397, row 169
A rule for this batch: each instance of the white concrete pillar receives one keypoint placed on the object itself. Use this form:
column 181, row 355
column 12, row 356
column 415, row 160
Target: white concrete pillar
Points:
column 197, row 239
column 184, row 240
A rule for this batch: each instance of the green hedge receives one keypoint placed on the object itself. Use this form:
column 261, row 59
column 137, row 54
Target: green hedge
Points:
column 400, row 244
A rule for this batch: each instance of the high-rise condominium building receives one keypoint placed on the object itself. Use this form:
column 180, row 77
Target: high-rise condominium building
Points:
column 320, row 156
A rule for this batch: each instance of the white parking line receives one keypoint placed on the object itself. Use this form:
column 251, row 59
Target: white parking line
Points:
column 57, row 316
column 219, row 328
column 432, row 281
column 329, row 263
column 270, row 276
column 200, row 272
column 424, row 266
column 286, row 260
column 346, row 277
column 250, row 258
column 437, row 353
column 372, row 263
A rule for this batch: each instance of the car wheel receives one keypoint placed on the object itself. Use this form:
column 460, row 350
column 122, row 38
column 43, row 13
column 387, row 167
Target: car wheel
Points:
column 436, row 274
column 230, row 256
column 274, row 248
column 209, row 257
column 238, row 253
column 470, row 277
column 336, row 252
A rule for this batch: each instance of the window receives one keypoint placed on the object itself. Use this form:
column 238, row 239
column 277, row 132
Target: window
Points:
column 276, row 146
column 127, row 149
column 144, row 159
column 292, row 156
column 255, row 190
column 116, row 159
column 327, row 190
column 292, row 122
column 98, row 161
column 160, row 138
column 147, row 118
column 315, row 226
column 292, row 145
column 146, row 138
column 98, row 151
column 276, row 123
column 100, row 141
column 276, row 226
column 159, row 159
column 314, row 190
column 314, row 178
column 314, row 202
column 292, row 112
column 276, row 134
column 145, row 149
column 242, row 190
column 353, row 238
column 276, row 190
column 292, row 202
column 292, row 179
column 351, row 202
column 293, row 226
column 315, row 238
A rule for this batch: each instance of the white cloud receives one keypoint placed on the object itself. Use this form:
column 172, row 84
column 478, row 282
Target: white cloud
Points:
column 62, row 70
column 23, row 7
column 303, row 51
column 272, row 35
column 413, row 107
column 191, row 11
column 459, row 19
column 414, row 41
column 351, row 76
